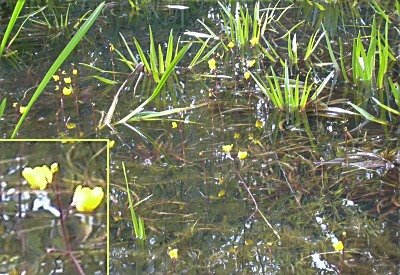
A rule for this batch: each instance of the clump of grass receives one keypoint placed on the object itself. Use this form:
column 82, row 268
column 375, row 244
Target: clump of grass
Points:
column 365, row 68
column 287, row 94
column 156, row 61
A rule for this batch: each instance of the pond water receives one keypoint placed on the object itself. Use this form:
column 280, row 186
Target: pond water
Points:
column 232, row 183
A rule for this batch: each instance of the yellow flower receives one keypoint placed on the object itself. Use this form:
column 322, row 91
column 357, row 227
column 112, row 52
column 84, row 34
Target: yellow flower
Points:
column 221, row 193
column 86, row 199
column 250, row 136
column 250, row 63
column 236, row 135
column 56, row 77
column 38, row 177
column 54, row 167
column 259, row 124
column 231, row 44
column 22, row 109
column 212, row 64
column 57, row 88
column 254, row 41
column 227, row 148
column 247, row 75
column 111, row 144
column 174, row 125
column 338, row 246
column 67, row 80
column 173, row 254
column 112, row 48
column 67, row 91
column 74, row 71
column 71, row 125
column 242, row 155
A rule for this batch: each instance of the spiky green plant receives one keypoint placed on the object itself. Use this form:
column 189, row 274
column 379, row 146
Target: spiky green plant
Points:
column 287, row 94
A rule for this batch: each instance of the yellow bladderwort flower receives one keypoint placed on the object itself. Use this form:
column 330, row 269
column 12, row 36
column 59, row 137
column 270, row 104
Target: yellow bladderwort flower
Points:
column 242, row 155
column 236, row 135
column 56, row 77
column 221, row 193
column 231, row 44
column 174, row 125
column 67, row 91
column 71, row 125
column 67, row 80
column 212, row 64
column 259, row 124
column 22, row 109
column 338, row 246
column 254, row 41
column 173, row 253
column 247, row 75
column 40, row 176
column 86, row 199
column 250, row 63
column 111, row 144
column 74, row 71
column 227, row 148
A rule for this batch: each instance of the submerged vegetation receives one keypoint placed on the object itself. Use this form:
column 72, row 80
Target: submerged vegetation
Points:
column 257, row 137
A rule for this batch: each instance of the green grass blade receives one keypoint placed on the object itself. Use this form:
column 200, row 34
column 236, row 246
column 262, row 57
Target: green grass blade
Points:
column 132, row 210
column 387, row 108
column 133, row 58
column 170, row 49
column 3, row 106
column 142, row 56
column 58, row 62
column 10, row 26
column 367, row 115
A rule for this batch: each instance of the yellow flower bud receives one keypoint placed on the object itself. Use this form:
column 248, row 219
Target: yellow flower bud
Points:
column 74, row 71
column 250, row 63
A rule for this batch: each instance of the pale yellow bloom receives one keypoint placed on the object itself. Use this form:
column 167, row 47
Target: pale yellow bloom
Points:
column 231, row 44
column 57, row 88
column 221, row 193
column 174, row 125
column 71, row 125
column 259, row 124
column 247, row 75
column 173, row 254
column 212, row 64
column 40, row 176
column 67, row 91
column 111, row 144
column 227, row 148
column 56, row 77
column 54, row 167
column 250, row 63
column 67, row 80
column 236, row 135
column 86, row 199
column 338, row 246
column 242, row 155
column 74, row 71
column 22, row 109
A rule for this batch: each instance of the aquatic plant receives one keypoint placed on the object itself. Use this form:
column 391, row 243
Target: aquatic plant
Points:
column 18, row 7
column 295, row 95
column 365, row 68
column 155, row 63
column 3, row 106
column 58, row 62
column 138, row 222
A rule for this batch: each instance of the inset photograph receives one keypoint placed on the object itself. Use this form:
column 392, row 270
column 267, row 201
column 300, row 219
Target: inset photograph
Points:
column 53, row 207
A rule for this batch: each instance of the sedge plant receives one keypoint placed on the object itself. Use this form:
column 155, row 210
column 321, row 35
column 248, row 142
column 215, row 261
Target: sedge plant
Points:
column 290, row 95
